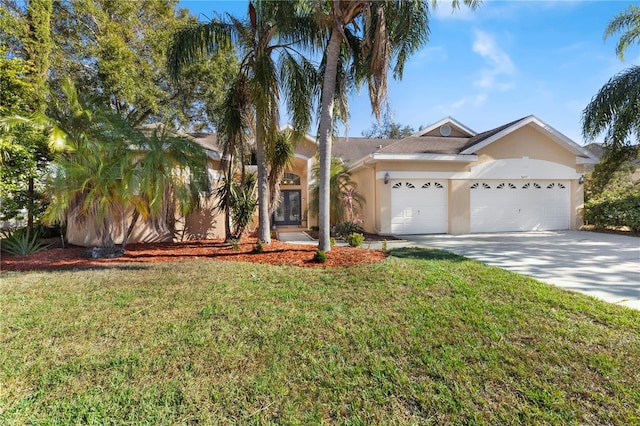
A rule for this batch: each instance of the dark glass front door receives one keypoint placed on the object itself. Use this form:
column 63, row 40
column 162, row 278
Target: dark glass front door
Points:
column 290, row 209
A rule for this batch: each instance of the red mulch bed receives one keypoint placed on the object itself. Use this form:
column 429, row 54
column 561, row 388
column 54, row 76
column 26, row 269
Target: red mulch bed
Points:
column 276, row 253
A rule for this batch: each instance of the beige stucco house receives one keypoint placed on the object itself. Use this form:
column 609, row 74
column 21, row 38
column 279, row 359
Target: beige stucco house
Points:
column 447, row 178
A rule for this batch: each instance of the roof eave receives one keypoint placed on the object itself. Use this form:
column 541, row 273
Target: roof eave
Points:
column 425, row 157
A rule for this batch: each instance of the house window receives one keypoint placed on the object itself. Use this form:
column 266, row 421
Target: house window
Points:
column 290, row 179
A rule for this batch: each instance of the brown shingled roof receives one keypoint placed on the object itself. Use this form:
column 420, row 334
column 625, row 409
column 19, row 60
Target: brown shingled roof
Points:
column 486, row 135
column 354, row 149
column 206, row 140
column 426, row 145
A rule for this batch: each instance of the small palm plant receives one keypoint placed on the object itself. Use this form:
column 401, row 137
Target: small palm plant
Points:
column 345, row 199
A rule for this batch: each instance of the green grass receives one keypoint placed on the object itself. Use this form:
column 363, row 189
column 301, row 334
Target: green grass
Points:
column 423, row 338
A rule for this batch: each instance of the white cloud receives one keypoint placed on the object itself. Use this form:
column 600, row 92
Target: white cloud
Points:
column 501, row 69
column 473, row 101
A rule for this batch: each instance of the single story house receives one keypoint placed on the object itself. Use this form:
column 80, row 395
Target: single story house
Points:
column 447, row 178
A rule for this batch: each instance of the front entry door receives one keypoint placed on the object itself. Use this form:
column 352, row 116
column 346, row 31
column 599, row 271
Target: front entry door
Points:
column 290, row 209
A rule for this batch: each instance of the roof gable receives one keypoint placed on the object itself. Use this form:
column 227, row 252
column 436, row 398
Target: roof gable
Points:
column 484, row 139
column 457, row 129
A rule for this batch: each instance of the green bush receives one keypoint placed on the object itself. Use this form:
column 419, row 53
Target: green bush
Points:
column 18, row 242
column 259, row 247
column 385, row 247
column 320, row 256
column 614, row 211
column 345, row 229
column 355, row 239
column 332, row 242
column 235, row 244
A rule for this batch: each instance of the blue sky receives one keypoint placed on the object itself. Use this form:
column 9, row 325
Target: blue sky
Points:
column 507, row 60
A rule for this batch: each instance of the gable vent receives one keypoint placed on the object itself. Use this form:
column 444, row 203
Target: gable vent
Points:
column 445, row 130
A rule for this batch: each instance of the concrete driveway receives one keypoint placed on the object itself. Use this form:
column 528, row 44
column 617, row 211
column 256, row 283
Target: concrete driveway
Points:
column 606, row 266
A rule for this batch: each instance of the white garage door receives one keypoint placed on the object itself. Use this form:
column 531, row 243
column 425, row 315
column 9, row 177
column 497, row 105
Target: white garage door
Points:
column 418, row 206
column 520, row 205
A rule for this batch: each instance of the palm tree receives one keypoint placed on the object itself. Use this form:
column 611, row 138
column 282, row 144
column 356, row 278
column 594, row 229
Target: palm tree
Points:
column 615, row 109
column 343, row 193
column 362, row 39
column 106, row 172
column 281, row 156
column 263, row 78
column 233, row 136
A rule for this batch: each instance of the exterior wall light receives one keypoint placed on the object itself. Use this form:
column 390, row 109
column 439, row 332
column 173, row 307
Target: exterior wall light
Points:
column 386, row 178
column 581, row 179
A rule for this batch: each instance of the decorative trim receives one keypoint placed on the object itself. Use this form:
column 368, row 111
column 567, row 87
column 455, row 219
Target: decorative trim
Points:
column 446, row 120
column 425, row 157
column 509, row 169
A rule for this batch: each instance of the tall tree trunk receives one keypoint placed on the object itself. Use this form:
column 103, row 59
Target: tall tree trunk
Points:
column 228, row 236
column 325, row 130
column 134, row 220
column 264, row 231
column 31, row 195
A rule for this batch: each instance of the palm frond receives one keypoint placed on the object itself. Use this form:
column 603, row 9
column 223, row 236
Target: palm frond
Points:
column 627, row 22
column 615, row 109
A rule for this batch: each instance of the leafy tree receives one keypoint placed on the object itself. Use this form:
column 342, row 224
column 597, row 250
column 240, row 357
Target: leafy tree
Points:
column 613, row 175
column 345, row 199
column 24, row 151
column 262, row 79
column 388, row 129
column 360, row 40
column 116, row 49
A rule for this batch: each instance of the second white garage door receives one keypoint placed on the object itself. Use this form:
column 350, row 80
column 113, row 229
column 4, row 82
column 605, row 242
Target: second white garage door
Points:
column 419, row 206
column 521, row 205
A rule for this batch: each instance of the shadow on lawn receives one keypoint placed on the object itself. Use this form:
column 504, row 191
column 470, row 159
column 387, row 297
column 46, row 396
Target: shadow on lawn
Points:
column 425, row 254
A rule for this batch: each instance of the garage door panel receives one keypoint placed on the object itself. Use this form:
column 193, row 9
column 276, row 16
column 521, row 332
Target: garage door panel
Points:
column 419, row 207
column 527, row 205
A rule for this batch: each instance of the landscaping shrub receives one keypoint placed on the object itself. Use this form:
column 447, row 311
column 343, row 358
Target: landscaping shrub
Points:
column 235, row 244
column 320, row 257
column 18, row 242
column 355, row 239
column 344, row 229
column 332, row 242
column 259, row 247
column 614, row 212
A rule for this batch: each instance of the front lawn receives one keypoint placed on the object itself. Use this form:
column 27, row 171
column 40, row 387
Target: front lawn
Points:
column 423, row 337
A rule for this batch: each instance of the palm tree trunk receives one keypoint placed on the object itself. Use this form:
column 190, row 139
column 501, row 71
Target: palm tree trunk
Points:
column 264, row 231
column 134, row 220
column 228, row 236
column 325, row 130
column 106, row 240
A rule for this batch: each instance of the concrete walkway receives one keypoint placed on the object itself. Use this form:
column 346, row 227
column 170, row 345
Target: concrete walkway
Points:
column 606, row 266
